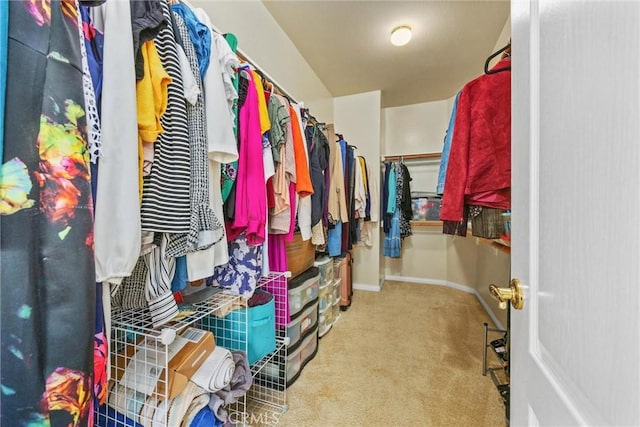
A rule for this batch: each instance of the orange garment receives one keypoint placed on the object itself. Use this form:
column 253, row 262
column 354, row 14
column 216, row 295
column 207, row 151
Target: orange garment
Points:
column 304, row 187
column 152, row 97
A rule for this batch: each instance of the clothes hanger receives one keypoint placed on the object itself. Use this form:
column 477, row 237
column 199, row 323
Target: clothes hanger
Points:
column 493, row 55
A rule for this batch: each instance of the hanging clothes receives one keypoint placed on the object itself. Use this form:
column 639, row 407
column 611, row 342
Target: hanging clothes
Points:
column 251, row 197
column 166, row 191
column 147, row 20
column 318, row 148
column 228, row 170
column 446, row 149
column 392, row 240
column 47, row 368
column 339, row 200
column 404, row 200
column 117, row 232
column 222, row 145
column 479, row 166
column 205, row 228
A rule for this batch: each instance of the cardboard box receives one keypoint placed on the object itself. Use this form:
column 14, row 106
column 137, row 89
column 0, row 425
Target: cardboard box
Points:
column 141, row 366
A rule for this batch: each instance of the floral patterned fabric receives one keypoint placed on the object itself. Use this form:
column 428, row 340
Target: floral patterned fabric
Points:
column 244, row 269
column 47, row 308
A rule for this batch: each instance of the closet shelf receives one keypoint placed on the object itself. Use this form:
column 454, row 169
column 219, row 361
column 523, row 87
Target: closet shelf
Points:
column 281, row 342
column 418, row 156
column 499, row 244
column 140, row 321
column 418, row 223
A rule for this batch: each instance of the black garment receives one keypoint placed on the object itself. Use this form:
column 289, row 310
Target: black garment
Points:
column 230, row 204
column 405, row 204
column 147, row 20
column 351, row 203
column 367, row 210
column 318, row 160
column 386, row 218
column 48, row 275
column 456, row 228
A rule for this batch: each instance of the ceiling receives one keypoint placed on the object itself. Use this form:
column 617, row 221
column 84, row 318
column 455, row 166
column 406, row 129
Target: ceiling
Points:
column 347, row 44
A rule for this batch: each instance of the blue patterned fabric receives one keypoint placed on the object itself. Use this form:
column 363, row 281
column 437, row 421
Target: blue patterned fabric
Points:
column 448, row 137
column 244, row 269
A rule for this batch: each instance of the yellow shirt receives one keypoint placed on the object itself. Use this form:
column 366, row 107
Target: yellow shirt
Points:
column 152, row 97
column 265, row 123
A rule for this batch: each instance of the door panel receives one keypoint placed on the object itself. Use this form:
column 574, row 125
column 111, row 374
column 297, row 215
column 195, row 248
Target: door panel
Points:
column 576, row 212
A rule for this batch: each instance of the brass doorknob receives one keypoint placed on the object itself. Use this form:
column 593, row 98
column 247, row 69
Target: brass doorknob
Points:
column 513, row 294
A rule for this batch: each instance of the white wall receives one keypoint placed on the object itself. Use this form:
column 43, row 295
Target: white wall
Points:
column 417, row 128
column 266, row 44
column 358, row 118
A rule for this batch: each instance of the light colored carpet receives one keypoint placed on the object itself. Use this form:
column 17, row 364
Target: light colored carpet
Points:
column 410, row 355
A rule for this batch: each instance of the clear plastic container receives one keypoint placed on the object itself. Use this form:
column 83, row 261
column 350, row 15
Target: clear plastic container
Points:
column 325, row 265
column 302, row 294
column 302, row 323
column 325, row 295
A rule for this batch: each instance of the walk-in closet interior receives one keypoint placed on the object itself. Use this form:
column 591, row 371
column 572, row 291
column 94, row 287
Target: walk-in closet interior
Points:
column 222, row 213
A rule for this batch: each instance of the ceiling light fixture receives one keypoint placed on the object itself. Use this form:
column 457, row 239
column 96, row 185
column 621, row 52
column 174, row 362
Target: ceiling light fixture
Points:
column 401, row 35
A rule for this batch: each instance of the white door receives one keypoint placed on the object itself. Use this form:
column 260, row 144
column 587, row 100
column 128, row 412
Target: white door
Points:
column 576, row 212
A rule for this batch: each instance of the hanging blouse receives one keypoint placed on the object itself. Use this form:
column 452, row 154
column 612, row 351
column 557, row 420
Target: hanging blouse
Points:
column 446, row 149
column 222, row 148
column 147, row 20
column 251, row 198
column 205, row 228
column 480, row 156
column 117, row 235
column 151, row 96
column 165, row 197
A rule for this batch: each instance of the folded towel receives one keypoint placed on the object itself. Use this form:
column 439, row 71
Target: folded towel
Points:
column 217, row 370
column 240, row 383
column 241, row 380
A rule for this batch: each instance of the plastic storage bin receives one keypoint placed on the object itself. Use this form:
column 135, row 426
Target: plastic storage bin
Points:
column 336, row 310
column 261, row 328
column 302, row 323
column 325, row 320
column 325, row 265
column 325, row 295
column 297, row 358
column 303, row 289
column 301, row 356
column 335, row 290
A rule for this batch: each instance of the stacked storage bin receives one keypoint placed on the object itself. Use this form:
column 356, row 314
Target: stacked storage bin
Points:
column 302, row 330
column 327, row 295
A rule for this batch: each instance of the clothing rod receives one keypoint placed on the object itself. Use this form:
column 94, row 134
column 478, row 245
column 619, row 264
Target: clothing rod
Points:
column 411, row 156
column 244, row 57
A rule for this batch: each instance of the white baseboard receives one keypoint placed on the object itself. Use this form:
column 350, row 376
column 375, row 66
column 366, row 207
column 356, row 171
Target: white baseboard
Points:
column 463, row 288
column 365, row 287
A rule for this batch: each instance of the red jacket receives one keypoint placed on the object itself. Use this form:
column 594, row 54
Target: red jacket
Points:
column 480, row 156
